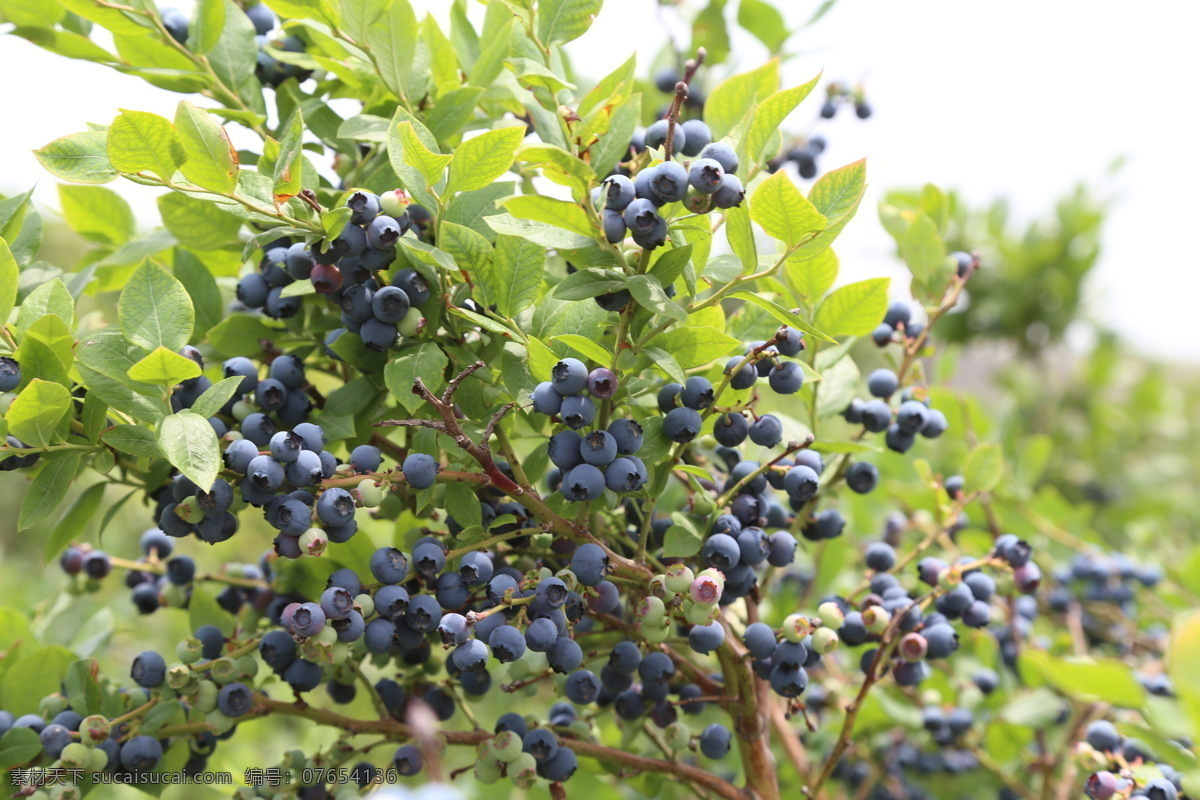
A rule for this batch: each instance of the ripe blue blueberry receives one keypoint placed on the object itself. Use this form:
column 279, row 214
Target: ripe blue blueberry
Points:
column 365, row 458
column 783, row 549
column 935, row 426
column 420, row 470
column 577, row 411
column 715, row 741
column 862, row 477
column 476, row 568
column 582, row 483
column 408, row 760
column 618, row 192
column 656, row 135
column 876, row 415
column 697, row 393
column 602, row 383
column 390, row 304
column 723, row 154
column 641, row 216
column 382, row 232
column 149, row 670
column 234, row 699
column 582, row 687
column 423, row 613
column 882, row 383
column 706, row 638
column 744, row 377
column 569, row 376
column 141, row 754
column 759, row 639
column 697, row 137
column 731, row 429
column 786, row 377
column 706, row 175
column 546, row 399
column 565, row 655
column 766, row 431
column 721, row 551
column 912, row 416
column 898, row 313
column 730, row 193
column 589, row 562
column 801, row 483
column 277, row 649
column 682, row 424
column 627, row 434
column 429, row 558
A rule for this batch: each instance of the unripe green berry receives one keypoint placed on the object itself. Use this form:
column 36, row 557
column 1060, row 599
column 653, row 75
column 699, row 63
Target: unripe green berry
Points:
column 189, row 511
column 678, row 735
column 831, row 614
column 223, row 670
column 699, row 613
column 568, row 577
column 222, row 723
column 651, row 611
column 393, row 202
column 654, row 635
column 52, row 704
column 65, row 792
column 247, row 666
column 825, row 640
column 93, row 730
column 189, row 651
column 241, row 410
column 506, row 746
column 796, row 627
column 364, row 604
column 76, row 756
column 368, row 493
column 174, row 596
column 658, row 588
column 313, row 542
column 876, row 618
column 178, row 676
column 523, row 771
column 679, row 578
column 205, row 698
column 97, row 760
column 411, row 325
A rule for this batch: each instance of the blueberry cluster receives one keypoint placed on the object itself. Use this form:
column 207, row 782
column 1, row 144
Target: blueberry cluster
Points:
column 914, row 415
column 631, row 205
column 764, row 359
column 837, row 94
column 10, row 379
column 1105, row 588
column 1119, row 767
column 588, row 462
column 269, row 70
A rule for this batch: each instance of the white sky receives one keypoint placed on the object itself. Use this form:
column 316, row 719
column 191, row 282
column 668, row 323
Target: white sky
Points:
column 1016, row 98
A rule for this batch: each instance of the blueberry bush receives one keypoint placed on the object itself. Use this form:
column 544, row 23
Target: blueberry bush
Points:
column 502, row 424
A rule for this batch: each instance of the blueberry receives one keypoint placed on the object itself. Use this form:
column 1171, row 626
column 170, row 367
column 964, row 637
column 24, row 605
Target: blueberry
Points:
column 390, row 304
column 883, row 383
column 656, row 668
column 641, row 217
column 669, row 182
column 766, row 431
column 723, row 154
column 912, row 416
column 862, row 109
column 252, row 290
column 546, row 399
column 1015, row 551
column 668, row 397
column 577, row 411
column 625, row 474
column 941, row 640
column 280, row 307
column 787, row 682
column 614, row 232
column 277, row 649
column 414, row 285
column 721, row 551
column 862, row 477
column 715, row 741
column 258, row 428
column 935, row 426
column 408, row 760
column 429, row 558
column 10, row 374
column 351, row 241
column 898, row 313
column 335, row 506
column 420, row 470
column 801, row 483
column 827, row 524
column 656, row 136
column 618, row 192
column 977, row 615
column 308, row 620
column 876, row 415
column 706, row 638
column 731, row 429
column 176, row 24
column 706, row 175
column 565, row 450
column 423, row 613
column 697, row 393
column 365, row 458
column 745, row 377
column 235, row 699
column 582, row 687
column 181, row 570
column 981, row 584
column 882, row 335
column 614, row 301
column 898, row 440
column 627, row 434
column 149, row 670
column 569, row 376
column 299, row 262
column 730, row 193
column 682, row 424
column 141, row 754
column 382, row 232
column 698, row 136
column 565, row 655
column 782, row 549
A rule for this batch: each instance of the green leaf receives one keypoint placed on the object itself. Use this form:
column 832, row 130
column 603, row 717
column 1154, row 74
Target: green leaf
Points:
column 430, row 164
column 392, row 41
column 164, row 367
column 190, row 444
column 103, row 359
column 425, row 361
column 649, row 294
column 204, row 610
column 216, row 396
column 83, row 686
column 49, row 487
column 740, row 234
column 96, row 213
column 767, row 116
column 728, row 103
column 671, row 264
column 9, row 277
column 202, row 287
column 34, row 417
column 240, row 334
column 167, row 711
column 532, row 75
column 468, row 248
column 484, row 158
column 51, row 297
column 155, row 310
column 75, row 521
column 783, row 212
column 562, row 213
column 212, row 161
column 134, row 440
column 139, row 141
column 196, row 223
column 541, row 358
column 782, row 314
column 710, row 31
column 765, row 22
column 811, row 278
column 589, row 283
column 585, row 346
column 1092, row 680
column 79, row 158
column 288, row 175
column 18, row 746
column 1182, row 655
column 512, row 278
column 694, row 347
column 838, row 192
column 1034, row 709
column 454, row 110
column 922, row 247
column 681, row 542
column 984, row 467
column 565, row 20
column 234, row 58
column 207, row 25
column 616, row 84
column 854, row 309
column 612, row 146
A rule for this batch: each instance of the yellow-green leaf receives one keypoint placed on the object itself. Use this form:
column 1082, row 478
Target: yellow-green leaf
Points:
column 783, row 212
column 484, row 158
column 164, row 367
column 139, row 141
